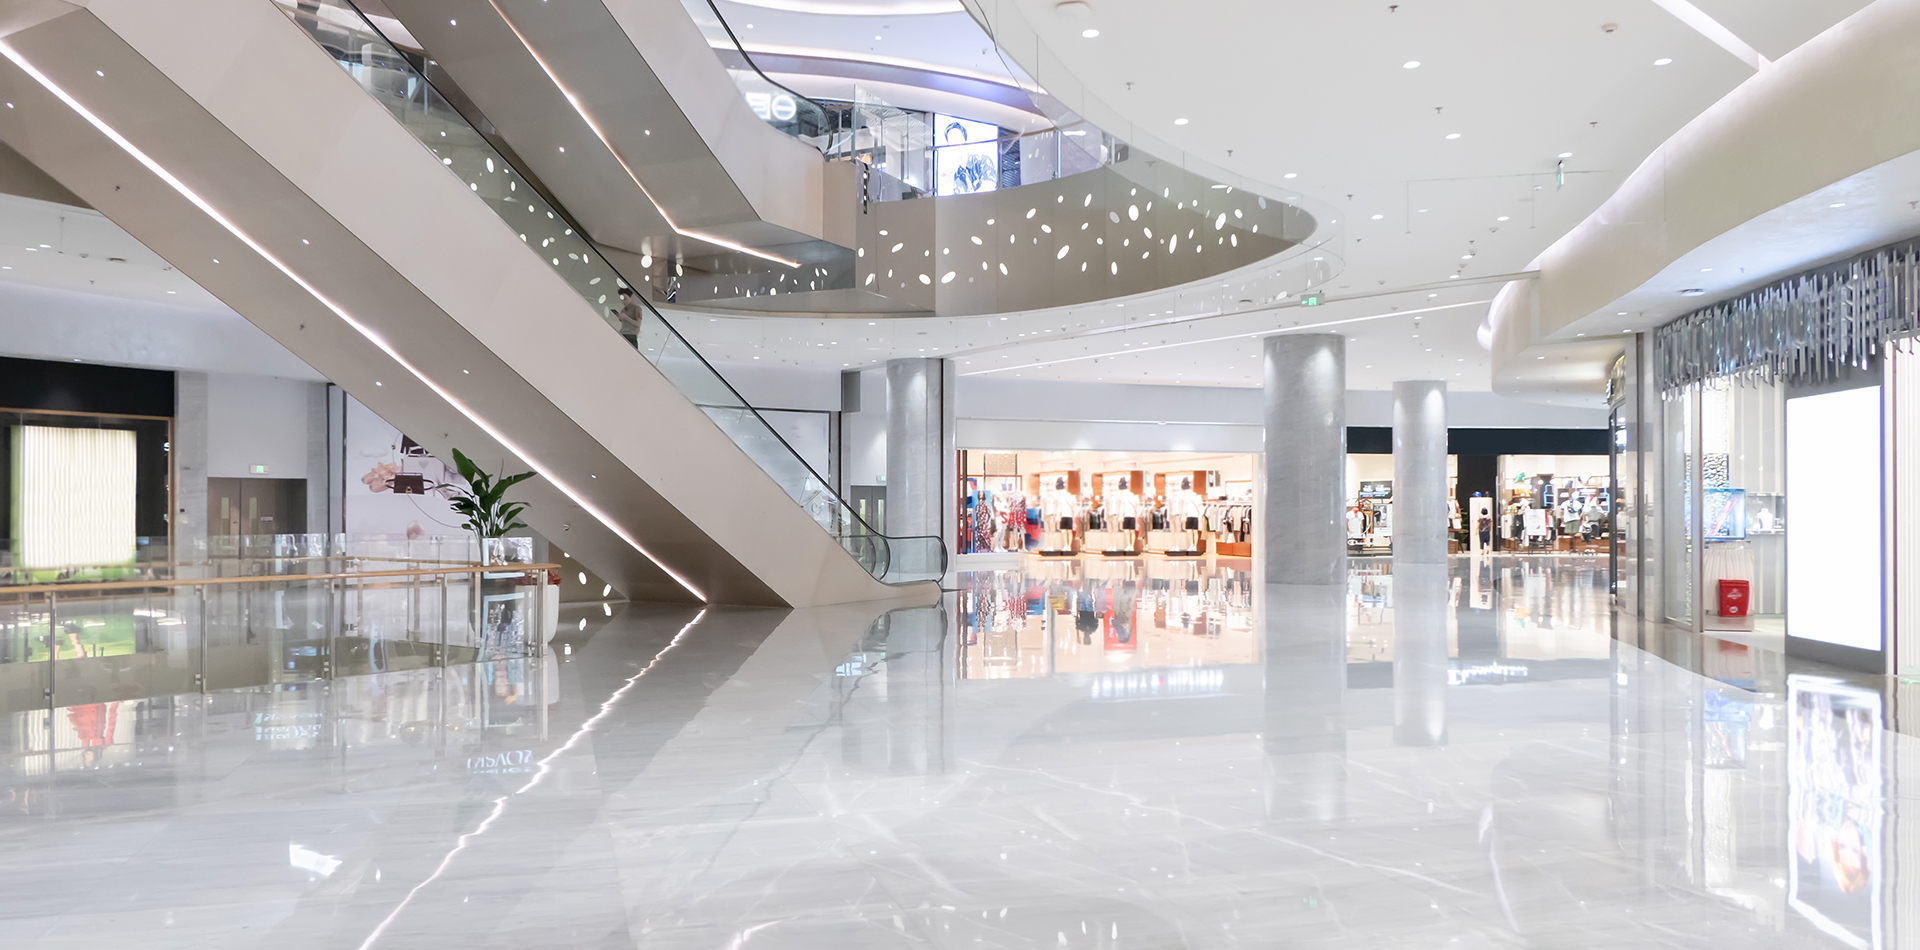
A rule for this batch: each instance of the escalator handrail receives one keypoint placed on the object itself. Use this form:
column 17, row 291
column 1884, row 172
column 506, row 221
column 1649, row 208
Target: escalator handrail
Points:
column 763, row 75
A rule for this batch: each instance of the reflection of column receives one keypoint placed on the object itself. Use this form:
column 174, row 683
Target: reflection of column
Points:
column 920, row 452
column 916, row 677
column 1305, row 733
column 1419, row 651
column 1305, row 378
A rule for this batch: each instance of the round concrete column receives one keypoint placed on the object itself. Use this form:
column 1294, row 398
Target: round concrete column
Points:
column 1303, row 525
column 1420, row 472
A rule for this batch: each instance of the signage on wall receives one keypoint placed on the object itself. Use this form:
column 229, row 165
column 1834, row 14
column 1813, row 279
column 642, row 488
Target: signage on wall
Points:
column 258, row 469
column 1376, row 489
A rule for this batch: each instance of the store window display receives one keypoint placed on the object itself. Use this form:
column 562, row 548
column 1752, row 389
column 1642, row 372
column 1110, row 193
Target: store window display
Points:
column 1172, row 505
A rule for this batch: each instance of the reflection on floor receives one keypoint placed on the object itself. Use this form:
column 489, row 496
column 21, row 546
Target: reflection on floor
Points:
column 1101, row 756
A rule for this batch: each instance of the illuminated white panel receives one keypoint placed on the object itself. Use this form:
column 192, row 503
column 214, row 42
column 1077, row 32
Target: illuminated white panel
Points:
column 73, row 495
column 1833, row 518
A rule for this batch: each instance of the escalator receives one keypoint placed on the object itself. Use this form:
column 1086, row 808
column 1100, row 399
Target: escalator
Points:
column 305, row 172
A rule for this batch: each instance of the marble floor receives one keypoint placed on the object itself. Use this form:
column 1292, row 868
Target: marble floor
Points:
column 1076, row 754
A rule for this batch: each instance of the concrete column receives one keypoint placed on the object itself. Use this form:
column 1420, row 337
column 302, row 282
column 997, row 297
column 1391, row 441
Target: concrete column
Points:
column 920, row 459
column 1420, row 472
column 187, row 522
column 1420, row 562
column 1304, row 530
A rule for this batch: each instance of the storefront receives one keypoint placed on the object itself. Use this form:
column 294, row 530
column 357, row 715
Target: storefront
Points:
column 1111, row 504
column 1519, row 502
column 1765, row 446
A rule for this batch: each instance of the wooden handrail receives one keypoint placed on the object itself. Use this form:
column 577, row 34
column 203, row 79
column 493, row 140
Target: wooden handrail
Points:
column 265, row 578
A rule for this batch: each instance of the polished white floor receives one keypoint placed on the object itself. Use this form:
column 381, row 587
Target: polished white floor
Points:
column 1102, row 754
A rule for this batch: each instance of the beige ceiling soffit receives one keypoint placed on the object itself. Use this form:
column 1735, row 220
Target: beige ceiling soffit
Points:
column 25, row 14
column 1707, row 26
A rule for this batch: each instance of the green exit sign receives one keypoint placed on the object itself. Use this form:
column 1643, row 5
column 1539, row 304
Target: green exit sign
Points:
column 1310, row 300
column 259, row 470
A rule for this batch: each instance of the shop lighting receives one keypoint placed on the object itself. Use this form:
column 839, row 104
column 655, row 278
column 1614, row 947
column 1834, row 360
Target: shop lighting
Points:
column 7, row 50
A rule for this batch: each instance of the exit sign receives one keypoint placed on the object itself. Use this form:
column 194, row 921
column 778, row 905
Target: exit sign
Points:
column 259, row 470
column 1310, row 300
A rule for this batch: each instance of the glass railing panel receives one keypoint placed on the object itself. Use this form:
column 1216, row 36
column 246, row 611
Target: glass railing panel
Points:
column 391, row 79
column 98, row 642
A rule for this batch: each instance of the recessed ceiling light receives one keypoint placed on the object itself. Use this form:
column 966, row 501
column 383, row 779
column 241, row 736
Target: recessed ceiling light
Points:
column 1290, row 175
column 1566, row 154
column 1378, row 217
column 1693, row 292
column 1662, row 61
column 1089, row 33
column 1179, row 122
column 1706, row 270
column 1453, row 276
column 1501, row 218
column 1452, row 135
column 1838, row 204
column 1620, row 313
column 1410, row 64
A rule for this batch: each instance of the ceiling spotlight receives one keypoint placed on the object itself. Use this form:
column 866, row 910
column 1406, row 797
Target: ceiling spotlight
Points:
column 1179, row 122
column 1706, row 270
column 1291, row 175
column 1566, row 154
column 1410, row 64
column 1838, row 204
column 1089, row 33
column 1620, row 313
column 1662, row 61
column 1378, row 217
column 1452, row 135
column 1501, row 218
column 1693, row 292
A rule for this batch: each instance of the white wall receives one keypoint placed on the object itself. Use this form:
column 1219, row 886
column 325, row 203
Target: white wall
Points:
column 785, row 387
column 1015, row 414
column 863, row 434
column 48, row 324
column 257, row 420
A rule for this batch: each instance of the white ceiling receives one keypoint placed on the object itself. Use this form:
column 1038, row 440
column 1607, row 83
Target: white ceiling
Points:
column 1293, row 88
column 1316, row 97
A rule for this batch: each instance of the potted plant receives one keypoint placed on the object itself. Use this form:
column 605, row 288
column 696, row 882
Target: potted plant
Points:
column 482, row 500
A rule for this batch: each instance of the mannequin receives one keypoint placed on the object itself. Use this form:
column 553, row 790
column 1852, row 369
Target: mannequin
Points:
column 1183, row 515
column 1123, row 514
column 1057, row 507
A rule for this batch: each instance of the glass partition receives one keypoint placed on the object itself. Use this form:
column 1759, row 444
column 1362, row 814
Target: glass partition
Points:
column 94, row 641
column 392, row 79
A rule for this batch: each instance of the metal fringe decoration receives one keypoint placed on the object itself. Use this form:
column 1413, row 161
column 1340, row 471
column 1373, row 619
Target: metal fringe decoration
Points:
column 1803, row 329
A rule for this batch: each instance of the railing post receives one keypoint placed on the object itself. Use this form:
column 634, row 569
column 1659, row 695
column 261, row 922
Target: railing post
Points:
column 53, row 654
column 201, row 677
column 443, row 620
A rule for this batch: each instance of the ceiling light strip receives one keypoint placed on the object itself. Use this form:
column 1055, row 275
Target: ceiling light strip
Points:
column 1711, row 28
column 602, row 136
column 177, row 185
column 1234, row 336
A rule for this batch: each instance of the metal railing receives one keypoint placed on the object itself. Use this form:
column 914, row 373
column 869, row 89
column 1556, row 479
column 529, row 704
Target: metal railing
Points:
column 78, row 642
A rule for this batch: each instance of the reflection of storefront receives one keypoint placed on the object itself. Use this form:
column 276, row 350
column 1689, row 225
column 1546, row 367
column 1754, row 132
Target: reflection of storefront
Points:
column 1100, row 617
column 1060, row 504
